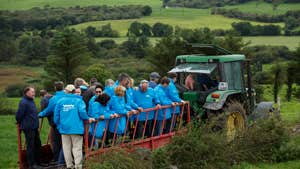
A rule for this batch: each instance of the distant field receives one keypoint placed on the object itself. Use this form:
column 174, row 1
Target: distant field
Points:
column 17, row 74
column 291, row 42
column 27, row 4
column 265, row 8
column 185, row 18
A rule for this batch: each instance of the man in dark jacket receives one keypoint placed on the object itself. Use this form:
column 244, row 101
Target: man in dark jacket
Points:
column 27, row 117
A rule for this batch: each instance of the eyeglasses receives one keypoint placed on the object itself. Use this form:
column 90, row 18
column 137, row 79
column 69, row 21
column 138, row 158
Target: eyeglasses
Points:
column 98, row 91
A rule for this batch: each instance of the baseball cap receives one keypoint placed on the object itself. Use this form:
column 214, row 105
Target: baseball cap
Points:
column 70, row 88
column 154, row 75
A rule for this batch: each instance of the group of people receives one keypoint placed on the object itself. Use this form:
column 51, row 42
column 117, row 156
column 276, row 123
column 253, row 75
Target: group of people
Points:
column 116, row 102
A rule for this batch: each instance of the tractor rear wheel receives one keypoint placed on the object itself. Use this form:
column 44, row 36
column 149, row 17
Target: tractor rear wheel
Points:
column 235, row 119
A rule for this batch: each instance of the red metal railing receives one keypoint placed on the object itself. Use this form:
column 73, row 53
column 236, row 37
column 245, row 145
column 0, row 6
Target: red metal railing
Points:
column 46, row 153
column 130, row 140
column 152, row 142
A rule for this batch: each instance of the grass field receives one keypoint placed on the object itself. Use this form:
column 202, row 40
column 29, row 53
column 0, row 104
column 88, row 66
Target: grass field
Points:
column 10, row 74
column 291, row 42
column 252, row 7
column 265, row 8
column 187, row 18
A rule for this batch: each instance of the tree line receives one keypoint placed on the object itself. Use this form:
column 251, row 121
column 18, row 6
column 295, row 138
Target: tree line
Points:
column 53, row 17
column 203, row 4
column 291, row 19
column 64, row 61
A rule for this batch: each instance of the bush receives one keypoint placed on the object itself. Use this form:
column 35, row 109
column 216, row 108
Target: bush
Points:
column 119, row 159
column 161, row 159
column 5, row 108
column 15, row 90
column 263, row 141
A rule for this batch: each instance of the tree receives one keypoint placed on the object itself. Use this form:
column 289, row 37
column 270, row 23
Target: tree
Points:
column 98, row 71
column 90, row 31
column 162, row 56
column 162, row 30
column 68, row 54
column 139, row 29
column 201, row 35
column 244, row 28
column 147, row 10
column 33, row 49
column 279, row 79
column 232, row 42
column 291, row 78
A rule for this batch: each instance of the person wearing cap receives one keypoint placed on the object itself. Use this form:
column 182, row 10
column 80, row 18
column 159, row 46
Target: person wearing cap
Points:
column 48, row 112
column 154, row 78
column 69, row 116
column 145, row 98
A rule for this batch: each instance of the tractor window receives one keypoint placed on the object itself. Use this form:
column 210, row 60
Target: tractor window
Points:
column 233, row 75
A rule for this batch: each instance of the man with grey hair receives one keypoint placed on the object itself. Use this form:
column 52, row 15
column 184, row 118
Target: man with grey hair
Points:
column 145, row 98
column 154, row 79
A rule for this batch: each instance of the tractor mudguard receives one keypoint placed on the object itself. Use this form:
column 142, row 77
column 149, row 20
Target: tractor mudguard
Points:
column 217, row 104
column 263, row 110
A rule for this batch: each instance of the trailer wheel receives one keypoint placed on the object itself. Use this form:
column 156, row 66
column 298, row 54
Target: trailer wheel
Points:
column 235, row 119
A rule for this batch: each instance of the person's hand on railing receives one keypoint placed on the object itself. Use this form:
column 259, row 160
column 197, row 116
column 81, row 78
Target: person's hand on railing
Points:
column 101, row 117
column 158, row 106
column 112, row 116
column 173, row 104
column 91, row 120
column 135, row 111
column 140, row 109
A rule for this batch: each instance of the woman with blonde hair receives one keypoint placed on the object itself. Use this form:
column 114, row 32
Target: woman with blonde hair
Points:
column 117, row 105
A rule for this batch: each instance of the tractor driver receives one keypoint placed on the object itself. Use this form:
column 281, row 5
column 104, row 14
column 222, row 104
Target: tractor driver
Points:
column 206, row 82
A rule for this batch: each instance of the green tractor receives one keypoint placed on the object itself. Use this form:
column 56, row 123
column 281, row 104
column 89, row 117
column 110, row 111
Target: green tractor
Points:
column 222, row 86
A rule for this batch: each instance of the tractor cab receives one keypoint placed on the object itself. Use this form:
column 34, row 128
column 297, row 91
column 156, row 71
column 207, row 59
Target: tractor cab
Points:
column 219, row 83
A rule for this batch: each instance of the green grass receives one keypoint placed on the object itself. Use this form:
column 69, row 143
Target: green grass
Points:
column 291, row 42
column 190, row 18
column 283, row 165
column 265, row 8
column 9, row 142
